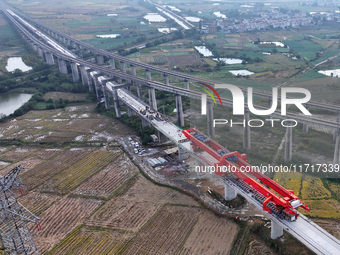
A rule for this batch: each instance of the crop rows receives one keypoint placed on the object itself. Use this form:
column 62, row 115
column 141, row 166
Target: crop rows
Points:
column 323, row 208
column 58, row 220
column 164, row 233
column 128, row 215
column 290, row 181
column 88, row 240
column 109, row 179
column 42, row 172
column 209, row 236
column 16, row 154
column 46, row 153
column 80, row 171
column 312, row 188
column 38, row 202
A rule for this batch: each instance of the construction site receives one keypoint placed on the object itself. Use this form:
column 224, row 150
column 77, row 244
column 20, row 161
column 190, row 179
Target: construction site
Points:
column 89, row 184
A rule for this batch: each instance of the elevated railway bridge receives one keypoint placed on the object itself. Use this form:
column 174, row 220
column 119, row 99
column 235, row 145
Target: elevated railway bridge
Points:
column 110, row 83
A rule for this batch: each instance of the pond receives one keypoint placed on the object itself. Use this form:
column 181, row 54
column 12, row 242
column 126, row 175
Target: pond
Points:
column 108, row 36
column 332, row 73
column 204, row 51
column 9, row 102
column 277, row 44
column 166, row 30
column 229, row 61
column 154, row 17
column 17, row 63
column 241, row 72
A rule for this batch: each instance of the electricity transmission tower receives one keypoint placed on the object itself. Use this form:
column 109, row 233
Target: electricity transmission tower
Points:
column 14, row 232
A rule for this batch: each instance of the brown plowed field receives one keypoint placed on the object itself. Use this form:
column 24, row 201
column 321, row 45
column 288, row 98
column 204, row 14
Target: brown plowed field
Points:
column 166, row 232
column 104, row 183
column 60, row 219
column 17, row 154
column 27, row 163
column 89, row 240
column 38, row 202
column 211, row 235
column 135, row 207
column 81, row 170
column 48, row 169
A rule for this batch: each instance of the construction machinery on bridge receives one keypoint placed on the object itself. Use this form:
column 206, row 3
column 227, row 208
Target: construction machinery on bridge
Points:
column 274, row 198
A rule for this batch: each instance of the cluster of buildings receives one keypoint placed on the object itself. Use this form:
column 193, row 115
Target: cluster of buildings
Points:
column 268, row 20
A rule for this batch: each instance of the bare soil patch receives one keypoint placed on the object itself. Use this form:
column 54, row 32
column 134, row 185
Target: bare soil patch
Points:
column 136, row 206
column 184, row 60
column 209, row 235
column 165, row 233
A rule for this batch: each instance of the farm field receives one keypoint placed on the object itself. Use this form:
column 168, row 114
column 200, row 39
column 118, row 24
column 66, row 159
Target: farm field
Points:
column 132, row 213
column 314, row 193
column 92, row 191
column 84, row 20
column 91, row 240
column 59, row 219
column 109, row 179
column 87, row 166
column 166, row 231
column 89, row 195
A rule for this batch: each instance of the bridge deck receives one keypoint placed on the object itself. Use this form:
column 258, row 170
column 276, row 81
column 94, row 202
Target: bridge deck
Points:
column 305, row 230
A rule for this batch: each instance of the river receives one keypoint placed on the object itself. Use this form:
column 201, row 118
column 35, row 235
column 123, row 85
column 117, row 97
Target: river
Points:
column 9, row 102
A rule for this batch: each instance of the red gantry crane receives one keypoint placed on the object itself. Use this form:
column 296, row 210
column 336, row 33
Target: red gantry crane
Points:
column 274, row 198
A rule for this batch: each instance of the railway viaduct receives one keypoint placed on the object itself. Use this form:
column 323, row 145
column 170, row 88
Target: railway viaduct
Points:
column 110, row 82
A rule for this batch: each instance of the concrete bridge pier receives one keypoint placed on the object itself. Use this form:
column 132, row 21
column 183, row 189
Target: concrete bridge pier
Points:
column 145, row 123
column 96, row 86
column 148, row 74
column 100, row 59
column 112, row 63
column 336, row 158
column 139, row 91
column 106, row 96
column 246, row 131
column 161, row 137
column 116, row 103
column 130, row 111
column 210, row 119
column 182, row 154
column 229, row 192
column 49, row 58
column 84, row 76
column 186, row 84
column 75, row 72
column 179, row 107
column 133, row 70
column 64, row 41
column 305, row 128
column 336, row 132
column 288, row 144
column 166, row 79
column 276, row 230
column 123, row 66
column 62, row 66
column 73, row 45
column 35, row 47
column 152, row 98
column 40, row 53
